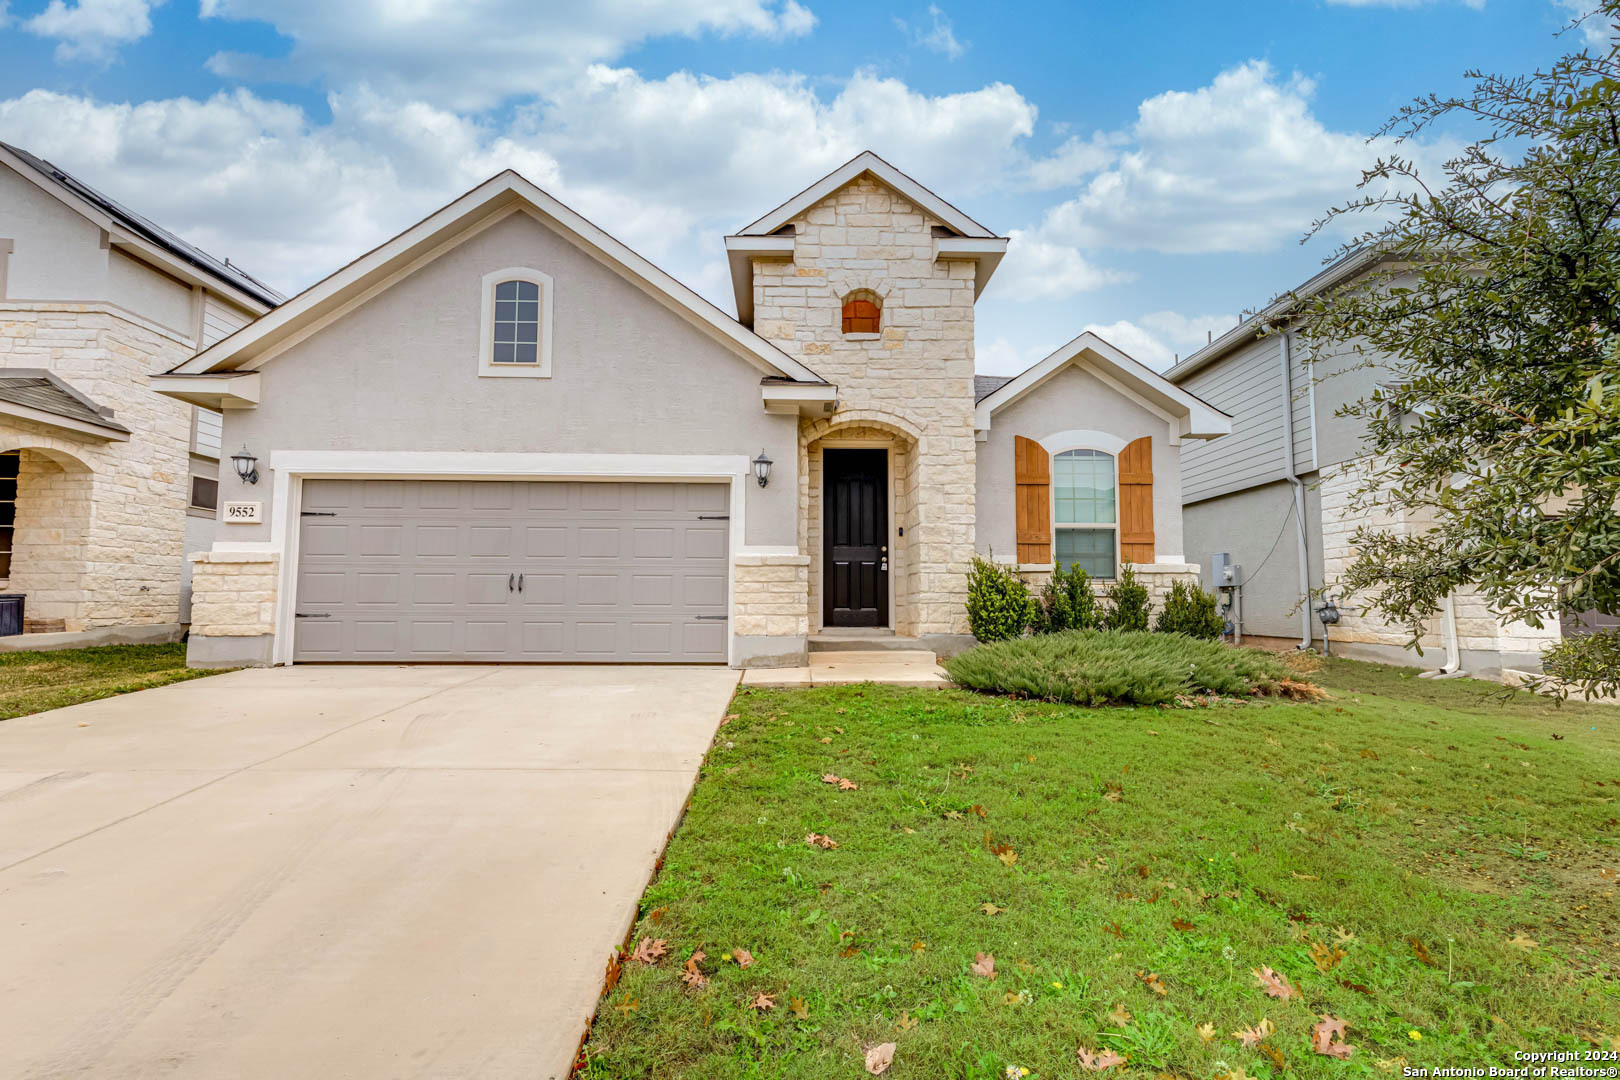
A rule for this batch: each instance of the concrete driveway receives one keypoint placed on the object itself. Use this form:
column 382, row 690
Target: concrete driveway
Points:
column 334, row 871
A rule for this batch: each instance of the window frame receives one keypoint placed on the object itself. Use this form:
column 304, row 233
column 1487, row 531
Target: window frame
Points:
column 487, row 367
column 191, row 493
column 866, row 296
column 1097, row 442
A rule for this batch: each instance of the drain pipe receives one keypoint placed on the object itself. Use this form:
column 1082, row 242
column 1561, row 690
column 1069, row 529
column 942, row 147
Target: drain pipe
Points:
column 1298, row 487
column 1452, row 668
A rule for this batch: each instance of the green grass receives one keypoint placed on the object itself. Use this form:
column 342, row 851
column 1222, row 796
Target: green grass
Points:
column 1110, row 667
column 32, row 682
column 1399, row 809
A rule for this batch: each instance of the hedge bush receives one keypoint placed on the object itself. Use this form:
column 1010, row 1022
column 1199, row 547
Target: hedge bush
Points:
column 999, row 606
column 1106, row 667
column 1190, row 610
column 1067, row 603
column 1128, row 602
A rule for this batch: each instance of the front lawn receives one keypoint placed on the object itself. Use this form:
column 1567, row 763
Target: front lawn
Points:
column 1432, row 866
column 32, row 682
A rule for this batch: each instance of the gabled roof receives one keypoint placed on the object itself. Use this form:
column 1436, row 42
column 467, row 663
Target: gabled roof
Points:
column 500, row 195
column 985, row 385
column 1197, row 418
column 38, row 395
column 85, row 199
column 866, row 162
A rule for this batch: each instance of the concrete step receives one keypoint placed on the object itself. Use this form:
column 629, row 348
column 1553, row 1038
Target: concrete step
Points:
column 863, row 641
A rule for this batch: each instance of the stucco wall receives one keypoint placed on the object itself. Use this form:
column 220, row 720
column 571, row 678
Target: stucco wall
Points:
column 629, row 376
column 1070, row 400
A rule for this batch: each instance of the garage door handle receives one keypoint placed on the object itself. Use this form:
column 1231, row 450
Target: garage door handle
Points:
column 511, row 582
column 306, row 615
column 717, row 618
column 520, row 583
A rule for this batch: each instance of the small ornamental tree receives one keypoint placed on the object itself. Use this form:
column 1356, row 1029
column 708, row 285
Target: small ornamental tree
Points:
column 999, row 606
column 1494, row 310
column 1190, row 610
column 1067, row 603
column 1128, row 599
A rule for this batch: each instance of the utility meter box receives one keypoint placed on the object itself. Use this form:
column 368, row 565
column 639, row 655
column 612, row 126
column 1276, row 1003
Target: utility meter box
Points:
column 1223, row 572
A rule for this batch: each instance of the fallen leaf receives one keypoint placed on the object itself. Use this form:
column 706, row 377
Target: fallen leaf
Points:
column 1113, row 792
column 1304, row 877
column 848, row 785
column 743, row 957
column 1343, row 936
column 839, row 729
column 1234, row 1074
column 762, row 1001
column 1522, row 943
column 1251, row 1037
column 1008, row 857
column 729, row 718
column 1114, row 928
column 1206, row 1033
column 1097, row 1062
column 906, row 1022
column 1183, row 925
column 628, row 1006
column 1273, row 1053
column 879, row 1058
column 1325, row 957
column 1357, row 987
column 1390, row 1065
column 825, row 739
column 799, row 1009
column 690, row 975
column 1025, row 966
column 614, row 970
column 829, row 778
column 1121, row 1015
column 991, row 909
column 984, row 965
column 1152, row 982
column 650, row 951
column 1327, row 1038
column 1275, row 984
column 919, row 946
column 979, row 810
column 826, row 843
column 1421, row 951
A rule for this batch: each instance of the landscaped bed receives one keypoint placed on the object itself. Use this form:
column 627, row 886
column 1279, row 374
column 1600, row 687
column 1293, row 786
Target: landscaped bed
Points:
column 1432, row 866
column 32, row 682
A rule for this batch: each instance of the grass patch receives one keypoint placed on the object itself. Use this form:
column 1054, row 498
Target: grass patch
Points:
column 32, row 682
column 1106, row 667
column 1193, row 845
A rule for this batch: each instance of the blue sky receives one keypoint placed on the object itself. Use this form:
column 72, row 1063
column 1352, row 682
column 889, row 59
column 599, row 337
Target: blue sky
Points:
column 1155, row 163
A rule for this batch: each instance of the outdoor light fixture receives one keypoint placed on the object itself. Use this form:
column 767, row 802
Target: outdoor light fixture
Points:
column 247, row 466
column 762, row 469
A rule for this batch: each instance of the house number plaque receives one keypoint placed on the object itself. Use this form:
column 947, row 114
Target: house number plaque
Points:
column 245, row 513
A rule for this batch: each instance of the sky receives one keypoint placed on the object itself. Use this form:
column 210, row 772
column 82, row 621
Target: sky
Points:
column 1156, row 163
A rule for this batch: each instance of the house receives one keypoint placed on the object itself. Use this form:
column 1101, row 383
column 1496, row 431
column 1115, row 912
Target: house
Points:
column 1274, row 497
column 104, row 484
column 504, row 436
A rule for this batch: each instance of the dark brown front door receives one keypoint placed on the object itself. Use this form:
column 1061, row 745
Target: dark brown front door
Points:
column 856, row 570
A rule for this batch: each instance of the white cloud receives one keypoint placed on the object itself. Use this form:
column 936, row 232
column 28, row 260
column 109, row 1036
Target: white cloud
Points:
column 91, row 29
column 1073, row 161
column 1156, row 338
column 1001, row 357
column 938, row 36
column 1239, row 165
column 1037, row 269
column 1595, row 28
column 474, row 54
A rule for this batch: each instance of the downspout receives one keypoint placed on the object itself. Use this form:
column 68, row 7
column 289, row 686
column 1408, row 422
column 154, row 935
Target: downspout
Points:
column 1298, row 486
column 1452, row 668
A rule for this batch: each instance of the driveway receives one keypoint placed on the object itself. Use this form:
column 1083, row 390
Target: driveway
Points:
column 334, row 871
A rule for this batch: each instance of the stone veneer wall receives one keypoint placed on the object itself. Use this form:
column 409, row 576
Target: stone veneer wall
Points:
column 233, row 607
column 1487, row 643
column 127, row 500
column 768, row 601
column 915, row 377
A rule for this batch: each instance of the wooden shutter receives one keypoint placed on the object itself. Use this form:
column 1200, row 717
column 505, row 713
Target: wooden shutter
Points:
column 1034, row 479
column 1136, row 501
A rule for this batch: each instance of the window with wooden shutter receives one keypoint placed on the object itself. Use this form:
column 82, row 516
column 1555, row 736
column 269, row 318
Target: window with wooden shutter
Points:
column 1034, row 500
column 1136, row 501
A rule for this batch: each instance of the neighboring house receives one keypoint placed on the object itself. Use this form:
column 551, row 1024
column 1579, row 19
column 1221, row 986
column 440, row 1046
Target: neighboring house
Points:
column 504, row 436
column 1275, row 497
column 104, row 485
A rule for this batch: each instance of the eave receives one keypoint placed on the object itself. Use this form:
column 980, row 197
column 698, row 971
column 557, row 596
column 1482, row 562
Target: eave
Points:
column 212, row 390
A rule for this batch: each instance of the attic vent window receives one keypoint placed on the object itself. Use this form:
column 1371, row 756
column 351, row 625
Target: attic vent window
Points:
column 863, row 312
column 516, row 336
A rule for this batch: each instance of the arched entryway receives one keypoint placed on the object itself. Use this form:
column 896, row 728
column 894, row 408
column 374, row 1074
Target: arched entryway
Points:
column 45, row 497
column 858, row 479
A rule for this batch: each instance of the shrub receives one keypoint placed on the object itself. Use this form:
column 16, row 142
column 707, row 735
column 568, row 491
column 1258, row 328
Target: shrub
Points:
column 999, row 606
column 1129, row 600
column 1067, row 603
column 1102, row 667
column 1190, row 610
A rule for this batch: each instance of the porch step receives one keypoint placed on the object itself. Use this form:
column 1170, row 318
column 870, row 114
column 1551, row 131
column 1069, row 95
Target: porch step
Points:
column 863, row 640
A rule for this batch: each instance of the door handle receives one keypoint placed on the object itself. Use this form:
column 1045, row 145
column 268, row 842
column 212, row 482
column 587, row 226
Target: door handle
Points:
column 520, row 583
column 511, row 582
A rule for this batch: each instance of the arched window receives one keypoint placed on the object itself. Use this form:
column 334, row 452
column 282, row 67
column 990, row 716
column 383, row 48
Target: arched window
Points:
column 1085, row 517
column 516, row 336
column 863, row 312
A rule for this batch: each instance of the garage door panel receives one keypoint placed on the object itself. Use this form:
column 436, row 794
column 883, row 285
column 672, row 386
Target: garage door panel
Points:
column 425, row 570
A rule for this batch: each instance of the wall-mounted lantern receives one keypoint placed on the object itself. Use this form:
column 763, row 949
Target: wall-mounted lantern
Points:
column 247, row 466
column 762, row 469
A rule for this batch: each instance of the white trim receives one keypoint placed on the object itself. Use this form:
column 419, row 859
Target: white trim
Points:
column 1198, row 419
column 226, row 390
column 487, row 367
column 1083, row 439
column 914, row 192
column 248, row 346
column 290, row 468
column 811, row 399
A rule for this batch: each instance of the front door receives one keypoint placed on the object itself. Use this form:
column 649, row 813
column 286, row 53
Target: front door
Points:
column 856, row 568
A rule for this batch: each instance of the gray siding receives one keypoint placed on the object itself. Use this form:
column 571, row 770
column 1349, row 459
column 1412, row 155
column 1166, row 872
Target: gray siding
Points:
column 1246, row 384
column 221, row 320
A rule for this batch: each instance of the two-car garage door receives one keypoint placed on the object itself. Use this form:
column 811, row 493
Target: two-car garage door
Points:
column 463, row 570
